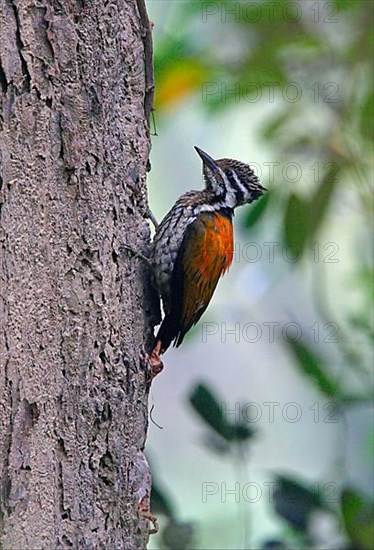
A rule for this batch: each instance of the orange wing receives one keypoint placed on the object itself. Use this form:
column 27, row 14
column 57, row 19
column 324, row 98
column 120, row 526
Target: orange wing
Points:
column 207, row 254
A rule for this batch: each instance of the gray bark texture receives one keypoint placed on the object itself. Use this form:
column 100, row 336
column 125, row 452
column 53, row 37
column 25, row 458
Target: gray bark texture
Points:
column 76, row 309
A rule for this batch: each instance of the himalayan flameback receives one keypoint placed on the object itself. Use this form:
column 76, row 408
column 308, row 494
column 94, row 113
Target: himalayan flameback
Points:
column 193, row 246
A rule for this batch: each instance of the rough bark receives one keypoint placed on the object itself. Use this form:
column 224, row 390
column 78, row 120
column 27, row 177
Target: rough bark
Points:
column 75, row 309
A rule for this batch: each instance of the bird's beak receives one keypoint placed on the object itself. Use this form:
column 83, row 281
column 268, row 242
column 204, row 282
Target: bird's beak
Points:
column 207, row 160
column 259, row 191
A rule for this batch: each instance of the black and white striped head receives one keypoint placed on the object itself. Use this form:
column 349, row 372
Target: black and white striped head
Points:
column 232, row 182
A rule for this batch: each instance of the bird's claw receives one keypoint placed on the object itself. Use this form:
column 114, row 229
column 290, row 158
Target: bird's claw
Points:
column 146, row 513
column 153, row 361
column 155, row 365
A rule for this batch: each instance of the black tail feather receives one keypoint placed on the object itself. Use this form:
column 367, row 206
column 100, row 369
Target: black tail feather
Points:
column 167, row 332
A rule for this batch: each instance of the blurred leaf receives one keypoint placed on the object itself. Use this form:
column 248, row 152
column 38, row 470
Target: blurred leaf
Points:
column 296, row 223
column 348, row 4
column 257, row 211
column 365, row 278
column 303, row 218
column 367, row 117
column 220, row 446
column 160, row 503
column 178, row 81
column 207, row 406
column 358, row 517
column 322, row 197
column 310, row 365
column 365, row 326
column 243, row 432
column 169, row 52
column 357, row 399
column 261, row 71
column 178, row 536
column 274, row 545
column 217, row 444
column 276, row 124
column 294, row 502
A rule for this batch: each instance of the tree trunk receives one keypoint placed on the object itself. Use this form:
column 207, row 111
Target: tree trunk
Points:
column 75, row 306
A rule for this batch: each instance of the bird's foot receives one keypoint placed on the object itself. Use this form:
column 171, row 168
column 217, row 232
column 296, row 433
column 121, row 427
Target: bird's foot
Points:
column 155, row 365
column 145, row 512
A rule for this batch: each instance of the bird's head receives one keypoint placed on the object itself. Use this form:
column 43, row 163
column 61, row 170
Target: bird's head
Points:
column 231, row 181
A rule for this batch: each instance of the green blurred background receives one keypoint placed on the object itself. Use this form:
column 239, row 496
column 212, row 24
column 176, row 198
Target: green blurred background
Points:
column 288, row 88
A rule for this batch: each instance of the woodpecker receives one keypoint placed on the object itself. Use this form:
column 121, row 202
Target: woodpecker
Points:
column 193, row 247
